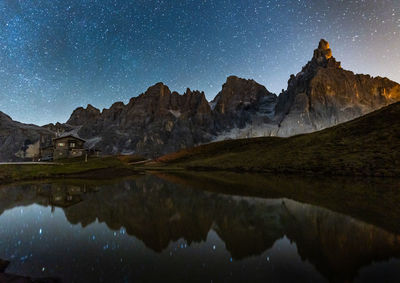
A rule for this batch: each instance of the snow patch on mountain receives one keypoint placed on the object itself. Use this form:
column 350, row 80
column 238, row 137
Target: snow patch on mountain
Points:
column 249, row 131
column 176, row 113
column 91, row 143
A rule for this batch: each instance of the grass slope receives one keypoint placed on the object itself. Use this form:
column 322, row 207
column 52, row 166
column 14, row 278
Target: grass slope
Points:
column 96, row 168
column 368, row 146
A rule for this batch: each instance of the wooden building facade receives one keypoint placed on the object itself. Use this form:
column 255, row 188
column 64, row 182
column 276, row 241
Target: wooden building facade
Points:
column 68, row 147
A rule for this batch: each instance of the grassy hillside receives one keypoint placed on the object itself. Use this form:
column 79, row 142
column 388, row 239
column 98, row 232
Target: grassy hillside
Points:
column 96, row 168
column 369, row 145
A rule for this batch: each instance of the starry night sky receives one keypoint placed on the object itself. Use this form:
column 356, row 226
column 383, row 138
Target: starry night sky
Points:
column 56, row 55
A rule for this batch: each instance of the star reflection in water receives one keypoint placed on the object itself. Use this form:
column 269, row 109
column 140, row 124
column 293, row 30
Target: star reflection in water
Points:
column 164, row 228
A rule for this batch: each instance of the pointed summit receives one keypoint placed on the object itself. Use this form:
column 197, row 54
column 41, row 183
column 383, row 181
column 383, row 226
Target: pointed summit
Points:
column 82, row 115
column 323, row 50
column 239, row 100
column 323, row 44
column 90, row 107
column 323, row 56
column 158, row 89
column 323, row 95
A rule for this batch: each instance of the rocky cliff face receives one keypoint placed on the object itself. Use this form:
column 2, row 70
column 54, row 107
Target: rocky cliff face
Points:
column 323, row 95
column 160, row 121
column 81, row 116
column 240, row 102
column 20, row 141
column 155, row 122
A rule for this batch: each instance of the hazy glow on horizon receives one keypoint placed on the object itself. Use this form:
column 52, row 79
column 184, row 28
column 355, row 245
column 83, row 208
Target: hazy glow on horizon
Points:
column 56, row 55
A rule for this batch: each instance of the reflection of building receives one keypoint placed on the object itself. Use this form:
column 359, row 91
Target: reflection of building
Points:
column 63, row 195
column 67, row 146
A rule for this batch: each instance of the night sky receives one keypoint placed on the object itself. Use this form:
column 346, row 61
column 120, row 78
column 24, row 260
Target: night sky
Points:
column 56, row 55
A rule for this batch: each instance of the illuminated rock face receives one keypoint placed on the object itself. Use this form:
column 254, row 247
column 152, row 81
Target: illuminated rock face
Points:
column 323, row 95
column 323, row 51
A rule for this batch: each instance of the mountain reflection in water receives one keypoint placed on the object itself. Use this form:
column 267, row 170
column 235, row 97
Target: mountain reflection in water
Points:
column 165, row 229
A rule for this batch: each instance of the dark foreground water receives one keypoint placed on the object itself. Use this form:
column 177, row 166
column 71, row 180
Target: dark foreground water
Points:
column 198, row 229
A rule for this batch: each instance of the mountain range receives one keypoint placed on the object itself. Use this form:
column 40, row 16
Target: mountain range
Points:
column 366, row 146
column 161, row 121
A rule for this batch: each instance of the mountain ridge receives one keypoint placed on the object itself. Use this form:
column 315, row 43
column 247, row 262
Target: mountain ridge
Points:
column 161, row 121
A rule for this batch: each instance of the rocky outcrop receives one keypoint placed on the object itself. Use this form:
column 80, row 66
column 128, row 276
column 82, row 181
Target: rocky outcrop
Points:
column 82, row 115
column 20, row 141
column 160, row 121
column 323, row 95
column 240, row 102
column 59, row 127
column 155, row 122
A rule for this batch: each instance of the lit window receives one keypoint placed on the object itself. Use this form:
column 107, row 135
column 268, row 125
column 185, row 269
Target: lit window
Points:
column 61, row 144
column 72, row 144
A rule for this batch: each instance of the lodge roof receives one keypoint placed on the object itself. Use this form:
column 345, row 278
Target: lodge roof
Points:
column 69, row 136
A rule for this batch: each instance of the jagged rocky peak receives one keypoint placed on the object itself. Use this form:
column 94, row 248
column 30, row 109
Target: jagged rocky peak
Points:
column 113, row 114
column 159, row 89
column 58, row 127
column 323, row 56
column 239, row 103
column 155, row 97
column 82, row 115
column 323, row 95
column 323, row 50
column 239, row 94
column 194, row 95
column 194, row 102
column 193, row 92
column 158, row 102
column 189, row 91
column 117, row 104
column 90, row 107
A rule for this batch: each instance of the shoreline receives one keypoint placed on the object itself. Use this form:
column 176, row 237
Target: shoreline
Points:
column 165, row 167
column 103, row 168
column 109, row 173
column 93, row 174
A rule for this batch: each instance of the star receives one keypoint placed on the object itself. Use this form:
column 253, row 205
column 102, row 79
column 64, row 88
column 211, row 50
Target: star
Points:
column 56, row 55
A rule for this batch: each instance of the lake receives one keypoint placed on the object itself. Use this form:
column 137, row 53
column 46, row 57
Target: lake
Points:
column 221, row 227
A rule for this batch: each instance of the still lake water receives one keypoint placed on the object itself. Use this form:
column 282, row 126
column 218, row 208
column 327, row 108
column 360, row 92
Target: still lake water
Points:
column 170, row 228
